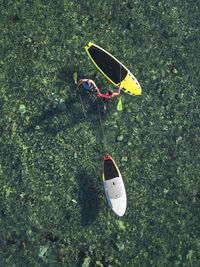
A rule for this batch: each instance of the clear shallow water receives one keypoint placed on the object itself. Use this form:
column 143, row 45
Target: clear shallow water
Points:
column 53, row 208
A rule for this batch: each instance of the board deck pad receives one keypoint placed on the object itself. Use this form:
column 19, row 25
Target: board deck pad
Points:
column 114, row 188
column 113, row 69
column 110, row 170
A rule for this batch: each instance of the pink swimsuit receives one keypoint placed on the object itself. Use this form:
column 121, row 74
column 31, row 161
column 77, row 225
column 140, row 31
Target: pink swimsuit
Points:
column 108, row 95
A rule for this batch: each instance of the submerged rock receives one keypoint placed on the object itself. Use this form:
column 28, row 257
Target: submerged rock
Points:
column 22, row 109
column 120, row 246
column 86, row 262
column 120, row 225
column 124, row 159
column 43, row 250
column 62, row 105
column 120, row 138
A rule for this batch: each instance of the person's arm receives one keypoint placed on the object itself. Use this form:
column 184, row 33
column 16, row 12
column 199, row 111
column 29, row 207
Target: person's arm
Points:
column 101, row 95
column 94, row 84
column 115, row 94
column 98, row 92
column 81, row 81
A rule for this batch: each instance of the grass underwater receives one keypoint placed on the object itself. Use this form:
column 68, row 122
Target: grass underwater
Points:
column 52, row 203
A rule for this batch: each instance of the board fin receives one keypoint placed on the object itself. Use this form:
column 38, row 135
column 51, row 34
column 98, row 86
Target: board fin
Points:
column 75, row 77
column 119, row 105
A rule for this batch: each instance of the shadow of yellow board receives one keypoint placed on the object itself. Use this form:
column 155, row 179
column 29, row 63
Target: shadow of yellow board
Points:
column 113, row 69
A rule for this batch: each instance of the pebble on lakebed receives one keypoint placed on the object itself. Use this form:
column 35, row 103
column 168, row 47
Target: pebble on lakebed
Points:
column 120, row 138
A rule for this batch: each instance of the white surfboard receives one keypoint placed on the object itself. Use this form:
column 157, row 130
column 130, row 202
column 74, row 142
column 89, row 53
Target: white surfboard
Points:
column 114, row 186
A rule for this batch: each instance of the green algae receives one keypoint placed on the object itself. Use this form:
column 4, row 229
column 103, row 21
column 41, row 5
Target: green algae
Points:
column 53, row 208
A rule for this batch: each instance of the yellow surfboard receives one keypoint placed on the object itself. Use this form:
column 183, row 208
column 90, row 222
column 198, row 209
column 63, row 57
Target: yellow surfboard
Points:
column 113, row 69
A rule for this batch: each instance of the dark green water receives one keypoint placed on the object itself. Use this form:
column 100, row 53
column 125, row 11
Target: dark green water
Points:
column 53, row 211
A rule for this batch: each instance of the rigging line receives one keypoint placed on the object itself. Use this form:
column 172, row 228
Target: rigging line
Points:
column 120, row 74
column 82, row 106
column 100, row 121
column 75, row 76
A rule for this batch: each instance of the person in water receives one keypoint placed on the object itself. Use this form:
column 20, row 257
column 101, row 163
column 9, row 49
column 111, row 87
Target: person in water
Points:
column 88, row 84
column 90, row 88
column 108, row 96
